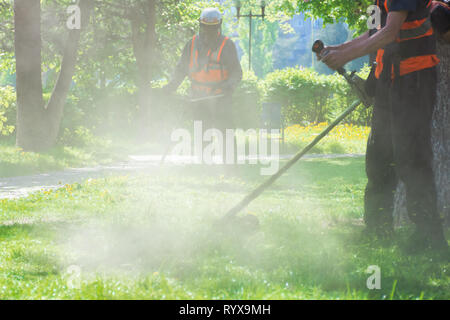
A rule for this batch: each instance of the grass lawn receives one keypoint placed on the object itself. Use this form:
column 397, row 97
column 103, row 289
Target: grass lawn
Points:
column 345, row 138
column 15, row 162
column 152, row 237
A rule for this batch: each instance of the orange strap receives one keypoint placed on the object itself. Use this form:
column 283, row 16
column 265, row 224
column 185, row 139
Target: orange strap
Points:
column 210, row 76
column 407, row 66
column 380, row 66
column 418, row 63
column 192, row 52
column 413, row 24
column 221, row 48
column 430, row 32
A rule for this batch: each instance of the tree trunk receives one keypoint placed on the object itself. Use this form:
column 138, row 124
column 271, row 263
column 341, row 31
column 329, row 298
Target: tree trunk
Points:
column 441, row 131
column 440, row 140
column 30, row 104
column 38, row 125
column 143, row 26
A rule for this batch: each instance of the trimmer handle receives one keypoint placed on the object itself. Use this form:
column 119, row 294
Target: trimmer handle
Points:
column 318, row 47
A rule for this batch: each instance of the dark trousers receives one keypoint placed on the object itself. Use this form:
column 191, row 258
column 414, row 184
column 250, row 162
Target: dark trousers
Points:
column 216, row 114
column 399, row 147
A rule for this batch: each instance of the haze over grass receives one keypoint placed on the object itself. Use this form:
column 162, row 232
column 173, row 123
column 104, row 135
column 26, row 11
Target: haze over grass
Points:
column 152, row 237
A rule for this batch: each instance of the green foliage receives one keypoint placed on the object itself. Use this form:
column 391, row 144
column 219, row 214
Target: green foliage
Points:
column 6, row 29
column 264, row 36
column 15, row 162
column 352, row 12
column 103, row 94
column 247, row 102
column 7, row 69
column 344, row 96
column 82, row 137
column 302, row 92
column 7, row 110
column 307, row 96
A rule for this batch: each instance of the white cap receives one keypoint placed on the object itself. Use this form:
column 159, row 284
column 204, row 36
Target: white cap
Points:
column 211, row 17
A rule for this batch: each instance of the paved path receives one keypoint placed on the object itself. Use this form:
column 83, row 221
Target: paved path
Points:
column 17, row 187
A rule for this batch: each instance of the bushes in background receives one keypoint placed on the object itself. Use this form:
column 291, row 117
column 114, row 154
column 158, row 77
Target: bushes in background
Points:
column 308, row 97
column 303, row 93
column 247, row 102
column 7, row 110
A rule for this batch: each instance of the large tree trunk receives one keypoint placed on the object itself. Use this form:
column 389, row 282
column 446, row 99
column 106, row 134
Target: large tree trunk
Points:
column 441, row 131
column 30, row 105
column 143, row 26
column 440, row 140
column 38, row 125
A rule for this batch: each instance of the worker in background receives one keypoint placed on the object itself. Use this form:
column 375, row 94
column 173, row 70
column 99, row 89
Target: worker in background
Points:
column 210, row 60
column 400, row 146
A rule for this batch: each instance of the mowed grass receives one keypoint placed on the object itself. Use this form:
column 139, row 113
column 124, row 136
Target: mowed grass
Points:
column 344, row 139
column 155, row 236
column 15, row 162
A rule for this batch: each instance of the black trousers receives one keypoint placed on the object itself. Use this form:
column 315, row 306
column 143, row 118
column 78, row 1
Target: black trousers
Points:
column 399, row 147
column 216, row 114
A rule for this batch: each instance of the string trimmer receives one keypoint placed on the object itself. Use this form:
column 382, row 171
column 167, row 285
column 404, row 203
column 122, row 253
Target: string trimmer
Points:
column 355, row 82
column 356, row 85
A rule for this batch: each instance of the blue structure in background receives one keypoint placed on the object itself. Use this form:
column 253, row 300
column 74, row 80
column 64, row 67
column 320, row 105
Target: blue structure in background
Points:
column 293, row 49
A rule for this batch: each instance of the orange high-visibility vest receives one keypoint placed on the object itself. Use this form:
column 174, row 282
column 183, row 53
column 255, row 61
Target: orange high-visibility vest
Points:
column 204, row 78
column 416, row 42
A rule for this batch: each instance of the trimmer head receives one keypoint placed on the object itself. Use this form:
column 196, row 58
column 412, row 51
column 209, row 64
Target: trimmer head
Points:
column 243, row 225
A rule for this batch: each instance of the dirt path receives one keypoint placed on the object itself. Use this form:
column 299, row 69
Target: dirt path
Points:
column 17, row 187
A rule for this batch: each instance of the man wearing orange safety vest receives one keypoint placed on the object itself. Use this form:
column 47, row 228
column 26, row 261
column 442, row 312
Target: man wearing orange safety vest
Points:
column 399, row 146
column 211, row 62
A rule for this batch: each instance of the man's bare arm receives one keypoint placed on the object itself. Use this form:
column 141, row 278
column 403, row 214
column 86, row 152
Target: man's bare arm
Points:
column 355, row 41
column 345, row 45
column 385, row 36
column 338, row 58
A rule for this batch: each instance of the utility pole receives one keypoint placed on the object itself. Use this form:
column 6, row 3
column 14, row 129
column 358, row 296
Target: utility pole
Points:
column 250, row 16
column 312, row 41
